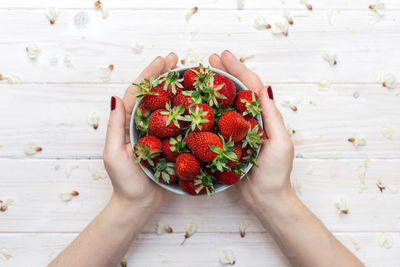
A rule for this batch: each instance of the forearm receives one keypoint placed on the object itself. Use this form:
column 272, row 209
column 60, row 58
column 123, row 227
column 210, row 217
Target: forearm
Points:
column 106, row 239
column 301, row 235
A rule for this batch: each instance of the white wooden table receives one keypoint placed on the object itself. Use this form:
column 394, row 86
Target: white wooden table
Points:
column 50, row 105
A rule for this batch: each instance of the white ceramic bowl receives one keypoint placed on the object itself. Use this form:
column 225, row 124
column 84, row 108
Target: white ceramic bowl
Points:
column 175, row 188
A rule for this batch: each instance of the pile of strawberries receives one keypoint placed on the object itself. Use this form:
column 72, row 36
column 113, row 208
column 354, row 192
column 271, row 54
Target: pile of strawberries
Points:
column 196, row 130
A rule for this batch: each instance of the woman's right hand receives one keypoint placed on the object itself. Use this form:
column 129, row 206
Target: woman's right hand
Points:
column 270, row 182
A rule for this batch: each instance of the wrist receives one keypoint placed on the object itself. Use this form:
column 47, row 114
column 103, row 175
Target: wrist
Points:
column 130, row 210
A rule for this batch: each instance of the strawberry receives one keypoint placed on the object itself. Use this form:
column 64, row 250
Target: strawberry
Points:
column 228, row 177
column 165, row 123
column 233, row 125
column 200, row 144
column 201, row 185
column 256, row 136
column 194, row 78
column 185, row 100
column 249, row 154
column 164, row 172
column 187, row 167
column 152, row 97
column 147, row 151
column 173, row 147
column 201, row 117
column 171, row 83
column 142, row 116
column 220, row 91
column 238, row 151
column 248, row 103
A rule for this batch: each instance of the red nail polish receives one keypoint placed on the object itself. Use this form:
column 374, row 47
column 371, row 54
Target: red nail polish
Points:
column 270, row 93
column 113, row 103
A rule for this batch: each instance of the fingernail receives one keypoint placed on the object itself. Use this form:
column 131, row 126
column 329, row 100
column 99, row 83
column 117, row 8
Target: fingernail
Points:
column 113, row 103
column 270, row 93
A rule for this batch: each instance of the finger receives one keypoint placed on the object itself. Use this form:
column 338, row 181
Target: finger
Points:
column 115, row 138
column 240, row 71
column 216, row 62
column 155, row 68
column 272, row 118
column 170, row 61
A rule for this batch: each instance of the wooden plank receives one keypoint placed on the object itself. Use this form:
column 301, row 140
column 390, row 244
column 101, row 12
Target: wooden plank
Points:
column 204, row 4
column 321, row 130
column 35, row 185
column 276, row 58
column 150, row 250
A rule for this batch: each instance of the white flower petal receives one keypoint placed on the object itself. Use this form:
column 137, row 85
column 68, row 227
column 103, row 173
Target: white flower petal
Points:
column 280, row 27
column 162, row 227
column 298, row 185
column 387, row 131
column 33, row 51
column 191, row 228
column 355, row 245
column 227, row 257
column 341, row 206
column 93, row 119
column 193, row 57
column 67, row 193
column 104, row 12
column 362, row 173
column 31, row 148
column 53, row 13
column 138, row 48
column 97, row 173
column 324, row 84
column 260, row 23
column 331, row 59
column 9, row 78
column 386, row 240
column 104, row 74
column 5, row 253
column 389, row 81
column 68, row 170
column 243, row 225
column 67, row 62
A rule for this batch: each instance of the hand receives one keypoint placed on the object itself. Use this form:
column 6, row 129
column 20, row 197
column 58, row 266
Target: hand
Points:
column 269, row 182
column 131, row 186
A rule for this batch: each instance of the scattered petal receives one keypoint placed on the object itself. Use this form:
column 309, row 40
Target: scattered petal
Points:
column 93, row 119
column 138, row 48
column 53, row 13
column 243, row 225
column 10, row 78
column 192, row 58
column 67, row 193
column 5, row 253
column 389, row 81
column 331, row 59
column 355, row 244
column 4, row 205
column 227, row 257
column 164, row 259
column 290, row 130
column 191, row 229
column 32, row 51
column 387, row 131
column 97, row 173
column 31, row 148
column 281, row 27
column 287, row 16
column 246, row 57
column 191, row 13
column 362, row 173
column 386, row 240
column 298, row 185
column 292, row 103
column 307, row 4
column 380, row 185
column 68, row 171
column 240, row 4
column 104, row 11
column 378, row 11
column 104, row 74
column 358, row 140
column 124, row 263
column 341, row 206
column 260, row 23
column 162, row 227
column 324, row 84
column 67, row 62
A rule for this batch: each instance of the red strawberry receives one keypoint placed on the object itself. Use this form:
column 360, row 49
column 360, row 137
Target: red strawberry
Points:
column 228, row 177
column 165, row 123
column 238, row 151
column 220, row 91
column 156, row 99
column 199, row 143
column 181, row 99
column 187, row 167
column 248, row 103
column 194, row 78
column 249, row 154
column 148, row 150
column 173, row 147
column 142, row 116
column 164, row 172
column 171, row 83
column 201, row 118
column 255, row 136
column 233, row 125
column 201, row 185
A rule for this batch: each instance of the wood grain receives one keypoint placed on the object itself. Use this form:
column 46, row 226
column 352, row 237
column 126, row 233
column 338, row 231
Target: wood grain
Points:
column 362, row 51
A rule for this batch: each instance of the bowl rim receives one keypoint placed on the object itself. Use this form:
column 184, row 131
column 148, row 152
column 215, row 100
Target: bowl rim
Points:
column 180, row 191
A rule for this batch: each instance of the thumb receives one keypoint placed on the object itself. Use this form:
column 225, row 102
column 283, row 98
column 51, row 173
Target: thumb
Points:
column 272, row 118
column 116, row 125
